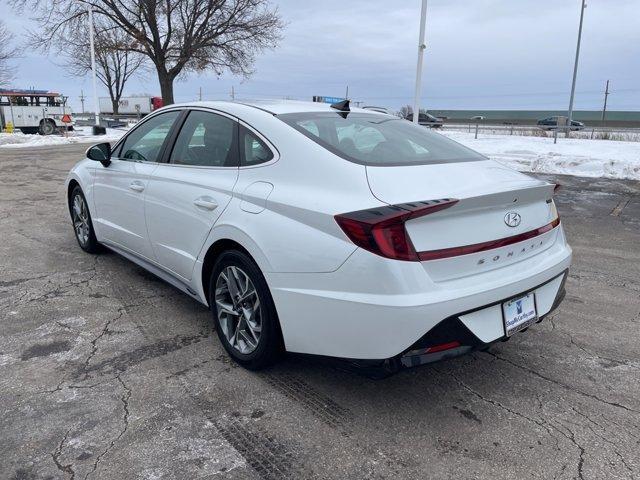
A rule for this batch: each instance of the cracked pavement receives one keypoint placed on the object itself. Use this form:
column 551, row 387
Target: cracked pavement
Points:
column 106, row 372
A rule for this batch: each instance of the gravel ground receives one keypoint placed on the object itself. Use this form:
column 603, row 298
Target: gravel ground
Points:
column 107, row 372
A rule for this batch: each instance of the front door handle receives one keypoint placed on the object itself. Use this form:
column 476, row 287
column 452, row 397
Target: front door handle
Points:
column 206, row 203
column 136, row 186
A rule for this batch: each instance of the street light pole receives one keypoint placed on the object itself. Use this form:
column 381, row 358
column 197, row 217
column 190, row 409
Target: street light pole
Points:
column 93, row 66
column 421, row 48
column 575, row 68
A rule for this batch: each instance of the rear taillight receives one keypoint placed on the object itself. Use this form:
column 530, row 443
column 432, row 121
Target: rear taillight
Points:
column 382, row 230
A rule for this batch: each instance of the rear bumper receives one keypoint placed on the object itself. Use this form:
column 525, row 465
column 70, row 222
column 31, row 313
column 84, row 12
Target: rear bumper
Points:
column 451, row 333
column 374, row 308
column 475, row 330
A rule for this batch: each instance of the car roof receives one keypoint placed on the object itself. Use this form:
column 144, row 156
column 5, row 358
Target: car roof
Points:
column 275, row 107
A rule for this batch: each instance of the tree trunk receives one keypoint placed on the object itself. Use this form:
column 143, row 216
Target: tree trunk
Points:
column 115, row 103
column 166, row 86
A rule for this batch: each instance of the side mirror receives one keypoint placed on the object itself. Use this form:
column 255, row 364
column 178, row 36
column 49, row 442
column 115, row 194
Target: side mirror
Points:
column 100, row 153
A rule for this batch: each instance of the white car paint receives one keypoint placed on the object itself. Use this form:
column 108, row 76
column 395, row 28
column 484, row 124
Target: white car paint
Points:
column 119, row 204
column 333, row 297
column 176, row 198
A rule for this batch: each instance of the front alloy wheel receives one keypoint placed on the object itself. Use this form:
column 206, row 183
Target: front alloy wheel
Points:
column 80, row 217
column 81, row 220
column 239, row 311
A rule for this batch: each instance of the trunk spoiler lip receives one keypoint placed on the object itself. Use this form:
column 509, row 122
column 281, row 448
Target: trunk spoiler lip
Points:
column 489, row 245
column 516, row 192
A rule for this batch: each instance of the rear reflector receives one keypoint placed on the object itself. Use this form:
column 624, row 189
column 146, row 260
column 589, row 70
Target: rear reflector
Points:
column 434, row 349
column 444, row 346
column 480, row 247
column 382, row 231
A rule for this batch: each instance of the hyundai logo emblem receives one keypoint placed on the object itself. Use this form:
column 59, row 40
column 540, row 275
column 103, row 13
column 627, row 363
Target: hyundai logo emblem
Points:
column 512, row 219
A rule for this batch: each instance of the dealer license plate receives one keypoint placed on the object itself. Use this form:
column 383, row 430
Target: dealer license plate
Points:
column 519, row 313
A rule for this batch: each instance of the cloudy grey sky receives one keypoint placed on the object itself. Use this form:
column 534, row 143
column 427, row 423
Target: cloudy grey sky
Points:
column 481, row 54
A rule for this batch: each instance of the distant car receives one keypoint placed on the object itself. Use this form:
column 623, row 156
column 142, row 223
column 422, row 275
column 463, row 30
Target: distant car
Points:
column 426, row 119
column 551, row 123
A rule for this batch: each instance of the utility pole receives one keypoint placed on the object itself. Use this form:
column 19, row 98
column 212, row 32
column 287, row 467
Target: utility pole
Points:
column 346, row 95
column 82, row 99
column 575, row 70
column 93, row 66
column 604, row 108
column 200, row 94
column 421, row 48
column 233, row 93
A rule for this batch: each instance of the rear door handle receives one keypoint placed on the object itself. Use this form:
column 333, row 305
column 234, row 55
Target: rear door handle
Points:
column 206, row 203
column 136, row 186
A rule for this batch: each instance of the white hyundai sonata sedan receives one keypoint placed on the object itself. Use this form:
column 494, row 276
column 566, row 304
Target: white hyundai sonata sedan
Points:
column 326, row 230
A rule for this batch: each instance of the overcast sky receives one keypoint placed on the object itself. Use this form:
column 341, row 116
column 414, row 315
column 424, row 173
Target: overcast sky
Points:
column 481, row 54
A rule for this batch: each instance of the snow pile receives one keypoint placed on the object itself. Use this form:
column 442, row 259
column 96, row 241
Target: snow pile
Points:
column 570, row 156
column 80, row 135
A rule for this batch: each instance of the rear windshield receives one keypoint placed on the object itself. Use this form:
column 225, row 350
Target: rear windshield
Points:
column 378, row 140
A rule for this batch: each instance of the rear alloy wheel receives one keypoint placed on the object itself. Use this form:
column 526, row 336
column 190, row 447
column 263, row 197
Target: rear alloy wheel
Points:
column 81, row 219
column 243, row 311
column 239, row 310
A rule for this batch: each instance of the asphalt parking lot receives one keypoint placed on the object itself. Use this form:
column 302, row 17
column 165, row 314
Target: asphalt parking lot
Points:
column 107, row 372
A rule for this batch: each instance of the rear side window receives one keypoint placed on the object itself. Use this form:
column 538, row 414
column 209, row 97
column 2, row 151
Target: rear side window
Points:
column 206, row 139
column 145, row 142
column 253, row 150
column 378, row 140
column 311, row 127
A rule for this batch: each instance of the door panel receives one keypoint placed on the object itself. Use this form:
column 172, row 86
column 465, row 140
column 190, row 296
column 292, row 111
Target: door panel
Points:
column 118, row 195
column 186, row 196
column 120, row 188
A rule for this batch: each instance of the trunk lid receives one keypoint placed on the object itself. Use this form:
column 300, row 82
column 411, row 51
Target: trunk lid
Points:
column 487, row 193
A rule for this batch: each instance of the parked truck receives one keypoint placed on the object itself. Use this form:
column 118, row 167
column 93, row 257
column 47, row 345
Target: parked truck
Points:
column 131, row 106
column 34, row 111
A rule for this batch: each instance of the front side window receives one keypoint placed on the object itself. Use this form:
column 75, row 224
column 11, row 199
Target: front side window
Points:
column 206, row 139
column 378, row 140
column 145, row 142
column 254, row 150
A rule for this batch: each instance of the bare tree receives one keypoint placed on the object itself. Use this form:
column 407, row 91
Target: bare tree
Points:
column 7, row 53
column 178, row 36
column 115, row 61
column 406, row 111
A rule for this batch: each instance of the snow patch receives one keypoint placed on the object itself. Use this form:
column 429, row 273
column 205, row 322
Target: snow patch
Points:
column 570, row 156
column 79, row 135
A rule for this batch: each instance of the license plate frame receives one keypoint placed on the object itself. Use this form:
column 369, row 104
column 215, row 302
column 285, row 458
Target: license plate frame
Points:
column 516, row 318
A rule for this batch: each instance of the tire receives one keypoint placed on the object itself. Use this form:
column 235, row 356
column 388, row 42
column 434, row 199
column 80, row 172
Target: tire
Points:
column 47, row 127
column 81, row 221
column 238, row 331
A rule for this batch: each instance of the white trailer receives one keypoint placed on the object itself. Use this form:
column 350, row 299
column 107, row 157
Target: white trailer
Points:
column 35, row 111
column 141, row 105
